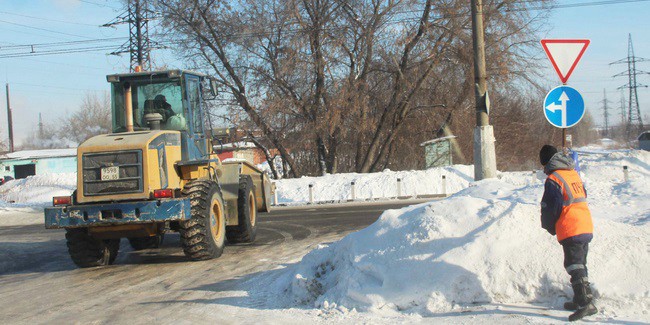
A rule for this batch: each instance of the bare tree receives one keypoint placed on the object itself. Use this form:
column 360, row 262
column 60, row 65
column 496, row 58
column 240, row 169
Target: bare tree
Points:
column 352, row 85
column 92, row 118
column 207, row 27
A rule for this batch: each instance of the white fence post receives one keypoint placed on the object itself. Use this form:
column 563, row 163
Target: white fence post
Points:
column 626, row 174
column 444, row 185
column 399, row 187
column 311, row 193
column 275, row 193
column 352, row 191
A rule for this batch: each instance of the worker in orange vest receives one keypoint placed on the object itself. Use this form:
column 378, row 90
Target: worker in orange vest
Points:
column 565, row 213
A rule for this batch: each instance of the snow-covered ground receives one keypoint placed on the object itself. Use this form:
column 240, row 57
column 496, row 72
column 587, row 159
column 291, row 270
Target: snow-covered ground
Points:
column 36, row 191
column 483, row 245
column 374, row 186
column 468, row 256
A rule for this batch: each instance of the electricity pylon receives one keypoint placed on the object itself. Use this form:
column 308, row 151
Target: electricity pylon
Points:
column 634, row 122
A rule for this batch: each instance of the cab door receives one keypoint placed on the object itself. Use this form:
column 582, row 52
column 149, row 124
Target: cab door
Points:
column 195, row 106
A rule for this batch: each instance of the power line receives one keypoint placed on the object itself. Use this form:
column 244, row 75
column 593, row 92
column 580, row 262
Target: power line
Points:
column 56, row 87
column 99, row 4
column 132, row 48
column 43, row 29
column 28, row 33
column 580, row 4
column 59, row 51
column 47, row 19
column 60, row 63
column 55, row 44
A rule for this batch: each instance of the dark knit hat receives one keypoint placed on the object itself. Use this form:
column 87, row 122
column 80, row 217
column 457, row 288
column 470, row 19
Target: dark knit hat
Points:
column 546, row 153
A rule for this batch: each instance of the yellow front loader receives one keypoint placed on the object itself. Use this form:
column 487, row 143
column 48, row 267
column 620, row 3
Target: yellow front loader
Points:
column 158, row 172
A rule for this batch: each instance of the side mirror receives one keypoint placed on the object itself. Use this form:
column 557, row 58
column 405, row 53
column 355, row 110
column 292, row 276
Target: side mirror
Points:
column 217, row 148
column 213, row 87
column 217, row 137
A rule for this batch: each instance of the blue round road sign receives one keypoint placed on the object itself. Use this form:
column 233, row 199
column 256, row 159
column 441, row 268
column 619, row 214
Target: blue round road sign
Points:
column 564, row 107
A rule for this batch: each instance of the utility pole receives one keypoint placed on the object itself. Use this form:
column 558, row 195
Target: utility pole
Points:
column 139, row 45
column 605, row 113
column 634, row 122
column 10, row 122
column 485, row 165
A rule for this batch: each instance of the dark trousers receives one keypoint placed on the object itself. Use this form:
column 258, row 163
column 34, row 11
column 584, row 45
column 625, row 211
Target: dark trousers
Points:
column 575, row 260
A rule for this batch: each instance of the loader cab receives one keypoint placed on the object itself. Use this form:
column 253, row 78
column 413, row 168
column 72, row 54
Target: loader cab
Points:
column 174, row 94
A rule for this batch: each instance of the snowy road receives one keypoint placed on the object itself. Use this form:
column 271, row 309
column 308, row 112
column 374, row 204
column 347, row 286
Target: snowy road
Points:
column 39, row 283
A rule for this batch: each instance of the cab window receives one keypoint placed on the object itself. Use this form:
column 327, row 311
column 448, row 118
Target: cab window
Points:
column 164, row 98
column 193, row 90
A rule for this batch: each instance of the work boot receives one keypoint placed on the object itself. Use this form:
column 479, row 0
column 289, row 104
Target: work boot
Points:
column 588, row 310
column 570, row 305
column 582, row 295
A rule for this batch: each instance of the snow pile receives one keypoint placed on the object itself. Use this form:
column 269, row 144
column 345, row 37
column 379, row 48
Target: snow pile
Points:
column 338, row 187
column 37, row 190
column 485, row 245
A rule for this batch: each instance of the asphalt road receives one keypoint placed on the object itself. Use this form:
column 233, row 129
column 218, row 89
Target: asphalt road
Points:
column 39, row 283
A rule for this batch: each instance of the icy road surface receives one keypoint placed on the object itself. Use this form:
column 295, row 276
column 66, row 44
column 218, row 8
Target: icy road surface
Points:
column 39, row 283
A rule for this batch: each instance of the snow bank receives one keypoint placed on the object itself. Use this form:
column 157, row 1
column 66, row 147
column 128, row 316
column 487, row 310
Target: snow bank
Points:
column 37, row 190
column 371, row 186
column 485, row 245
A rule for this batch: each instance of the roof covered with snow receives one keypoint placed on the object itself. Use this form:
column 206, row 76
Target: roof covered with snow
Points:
column 238, row 145
column 34, row 154
column 437, row 140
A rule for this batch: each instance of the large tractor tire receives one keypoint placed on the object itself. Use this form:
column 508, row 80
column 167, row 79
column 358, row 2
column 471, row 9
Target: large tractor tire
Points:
column 140, row 243
column 246, row 231
column 203, row 236
column 87, row 251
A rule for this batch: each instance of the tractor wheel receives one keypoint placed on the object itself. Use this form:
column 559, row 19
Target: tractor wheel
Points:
column 140, row 243
column 87, row 251
column 203, row 236
column 246, row 231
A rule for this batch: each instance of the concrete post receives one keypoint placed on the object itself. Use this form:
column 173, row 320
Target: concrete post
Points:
column 275, row 193
column 352, row 191
column 484, row 153
column 311, row 193
column 444, row 185
column 399, row 187
column 626, row 174
column 485, row 162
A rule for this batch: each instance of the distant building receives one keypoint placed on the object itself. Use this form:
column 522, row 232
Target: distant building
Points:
column 437, row 152
column 21, row 164
column 644, row 141
column 241, row 150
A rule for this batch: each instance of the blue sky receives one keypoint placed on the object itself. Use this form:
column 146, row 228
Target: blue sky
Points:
column 607, row 26
column 54, row 85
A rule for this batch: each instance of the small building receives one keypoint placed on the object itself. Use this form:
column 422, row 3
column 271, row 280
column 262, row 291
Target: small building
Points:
column 241, row 150
column 644, row 141
column 437, row 152
column 21, row 164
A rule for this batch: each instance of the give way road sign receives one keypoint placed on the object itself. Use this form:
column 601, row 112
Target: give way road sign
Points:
column 564, row 54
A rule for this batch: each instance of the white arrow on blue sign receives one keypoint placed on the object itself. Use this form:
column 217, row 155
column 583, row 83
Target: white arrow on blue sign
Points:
column 564, row 107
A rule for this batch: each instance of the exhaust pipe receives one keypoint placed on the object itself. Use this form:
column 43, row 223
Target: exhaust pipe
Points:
column 128, row 107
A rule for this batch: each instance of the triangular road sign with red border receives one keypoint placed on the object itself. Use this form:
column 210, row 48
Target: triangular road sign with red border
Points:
column 564, row 54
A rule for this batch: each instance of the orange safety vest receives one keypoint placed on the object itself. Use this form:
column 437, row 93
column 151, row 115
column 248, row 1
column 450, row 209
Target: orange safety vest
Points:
column 575, row 218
